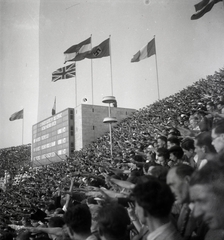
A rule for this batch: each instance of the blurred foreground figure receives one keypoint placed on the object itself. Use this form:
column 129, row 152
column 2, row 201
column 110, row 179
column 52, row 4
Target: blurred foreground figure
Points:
column 153, row 204
column 207, row 196
column 113, row 221
column 78, row 221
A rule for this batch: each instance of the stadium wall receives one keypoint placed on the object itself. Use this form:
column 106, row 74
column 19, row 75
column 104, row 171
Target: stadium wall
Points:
column 89, row 122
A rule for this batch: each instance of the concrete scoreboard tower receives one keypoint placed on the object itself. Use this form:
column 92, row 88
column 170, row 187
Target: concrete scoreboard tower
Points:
column 53, row 138
column 70, row 130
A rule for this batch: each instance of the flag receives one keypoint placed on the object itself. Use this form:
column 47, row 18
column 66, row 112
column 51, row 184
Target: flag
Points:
column 78, row 52
column 54, row 107
column 16, row 115
column 204, row 7
column 64, row 73
column 200, row 5
column 102, row 50
column 145, row 52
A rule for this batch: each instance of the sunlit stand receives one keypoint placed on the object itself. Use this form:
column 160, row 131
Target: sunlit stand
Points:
column 109, row 119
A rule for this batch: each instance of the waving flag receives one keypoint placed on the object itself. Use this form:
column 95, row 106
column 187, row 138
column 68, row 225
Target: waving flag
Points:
column 79, row 51
column 16, row 115
column 64, row 73
column 201, row 4
column 102, row 50
column 145, row 52
column 204, row 7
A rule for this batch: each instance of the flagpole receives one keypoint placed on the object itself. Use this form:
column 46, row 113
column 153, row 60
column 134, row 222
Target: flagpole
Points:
column 111, row 69
column 22, row 126
column 157, row 70
column 91, row 71
column 75, row 85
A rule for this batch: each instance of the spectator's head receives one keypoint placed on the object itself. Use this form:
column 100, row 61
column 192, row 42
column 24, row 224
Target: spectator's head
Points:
column 218, row 136
column 188, row 147
column 153, row 200
column 173, row 132
column 163, row 156
column 220, row 105
column 159, row 172
column 113, row 221
column 176, row 153
column 78, row 220
column 178, row 180
column 161, row 142
column 194, row 121
column 203, row 144
column 210, row 106
column 207, row 194
column 173, row 141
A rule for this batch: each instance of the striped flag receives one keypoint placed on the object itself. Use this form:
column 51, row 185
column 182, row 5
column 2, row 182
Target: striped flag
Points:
column 16, row 115
column 145, row 52
column 79, row 51
column 68, row 71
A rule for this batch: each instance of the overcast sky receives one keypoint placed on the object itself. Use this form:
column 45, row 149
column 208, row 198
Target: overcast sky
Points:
column 35, row 33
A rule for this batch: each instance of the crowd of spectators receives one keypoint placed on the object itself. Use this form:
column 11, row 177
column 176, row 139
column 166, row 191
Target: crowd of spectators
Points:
column 160, row 155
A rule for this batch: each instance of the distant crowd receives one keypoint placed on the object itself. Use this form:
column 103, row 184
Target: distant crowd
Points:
column 165, row 179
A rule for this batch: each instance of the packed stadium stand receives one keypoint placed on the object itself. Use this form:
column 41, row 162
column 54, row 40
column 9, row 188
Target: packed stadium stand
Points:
column 27, row 187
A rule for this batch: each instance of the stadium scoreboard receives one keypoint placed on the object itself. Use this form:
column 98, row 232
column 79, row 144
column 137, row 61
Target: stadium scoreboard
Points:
column 53, row 138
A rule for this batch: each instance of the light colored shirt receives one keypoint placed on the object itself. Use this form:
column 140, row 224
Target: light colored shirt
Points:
column 165, row 232
column 153, row 235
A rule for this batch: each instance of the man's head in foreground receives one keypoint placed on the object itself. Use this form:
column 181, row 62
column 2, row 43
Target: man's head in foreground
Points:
column 207, row 194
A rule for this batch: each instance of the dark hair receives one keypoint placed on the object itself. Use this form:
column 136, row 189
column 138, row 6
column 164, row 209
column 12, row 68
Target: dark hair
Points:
column 184, row 170
column 205, row 139
column 155, row 197
column 78, row 218
column 56, row 222
column 177, row 151
column 138, row 158
column 163, row 152
column 113, row 220
column 174, row 140
column 174, row 132
column 188, row 144
column 51, row 207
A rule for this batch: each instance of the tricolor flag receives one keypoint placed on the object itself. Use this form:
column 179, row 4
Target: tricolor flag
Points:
column 16, row 115
column 102, row 50
column 64, row 73
column 54, row 107
column 145, row 52
column 78, row 52
column 203, row 7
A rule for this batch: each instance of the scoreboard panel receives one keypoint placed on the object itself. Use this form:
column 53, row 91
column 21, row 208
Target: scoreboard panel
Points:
column 53, row 138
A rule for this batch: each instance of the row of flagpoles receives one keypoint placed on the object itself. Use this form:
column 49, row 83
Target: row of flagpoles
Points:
column 84, row 50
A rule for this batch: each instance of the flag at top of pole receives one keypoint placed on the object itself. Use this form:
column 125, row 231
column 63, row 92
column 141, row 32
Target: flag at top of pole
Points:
column 79, row 51
column 16, row 115
column 100, row 51
column 145, row 52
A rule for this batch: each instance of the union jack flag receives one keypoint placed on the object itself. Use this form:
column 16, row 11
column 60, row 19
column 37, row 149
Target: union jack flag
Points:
column 64, row 73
